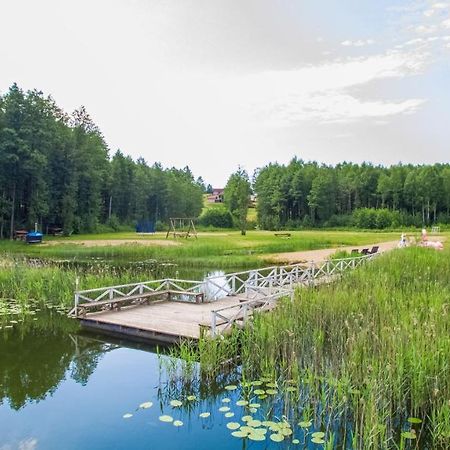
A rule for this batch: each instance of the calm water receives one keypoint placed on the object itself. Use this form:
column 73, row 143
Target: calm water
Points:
column 62, row 389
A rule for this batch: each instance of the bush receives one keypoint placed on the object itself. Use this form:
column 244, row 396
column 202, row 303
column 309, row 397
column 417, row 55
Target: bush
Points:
column 216, row 217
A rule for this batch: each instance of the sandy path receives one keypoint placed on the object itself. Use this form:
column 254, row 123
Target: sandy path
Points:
column 323, row 254
column 115, row 242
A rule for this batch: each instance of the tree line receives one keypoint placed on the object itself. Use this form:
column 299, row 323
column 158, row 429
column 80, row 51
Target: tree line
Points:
column 55, row 170
column 308, row 194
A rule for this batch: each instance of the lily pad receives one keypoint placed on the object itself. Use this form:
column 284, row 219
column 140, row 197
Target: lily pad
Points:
column 177, row 423
column 271, row 391
column 259, row 392
column 242, row 403
column 175, row 403
column 191, row 398
column 253, row 410
column 277, row 437
column 127, row 416
column 414, row 420
column 257, row 436
column 318, row 434
column 291, row 389
column 254, row 405
column 229, row 414
column 239, row 434
column 271, row 385
column 166, row 418
column 305, row 424
column 231, row 387
column 247, row 418
column 224, row 409
column 226, row 400
column 257, row 383
column 254, row 423
column 409, row 435
column 204, row 415
column 146, row 405
column 233, row 425
column 295, row 441
column 317, row 440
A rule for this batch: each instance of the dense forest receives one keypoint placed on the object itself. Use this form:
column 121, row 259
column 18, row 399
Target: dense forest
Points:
column 366, row 196
column 55, row 170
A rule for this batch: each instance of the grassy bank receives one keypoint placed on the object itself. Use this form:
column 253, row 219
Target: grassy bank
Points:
column 217, row 249
column 370, row 354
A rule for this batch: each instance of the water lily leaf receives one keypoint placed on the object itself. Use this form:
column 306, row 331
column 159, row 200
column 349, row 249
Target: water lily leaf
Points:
column 253, row 410
column 226, row 400
column 286, row 431
column 318, row 434
column 247, row 418
column 254, row 405
column 317, row 440
column 262, row 397
column 277, row 437
column 191, row 398
column 224, row 409
column 175, row 403
column 268, row 423
column 305, row 424
column 177, row 423
column 271, row 385
column 166, row 418
column 233, row 425
column 256, row 436
column 204, row 415
column 239, row 434
column 257, row 383
column 271, row 391
column 242, row 403
column 295, row 441
column 291, row 389
column 229, row 414
column 414, row 420
column 146, row 405
column 259, row 392
column 254, row 423
column 247, row 429
column 231, row 387
column 409, row 435
column 127, row 416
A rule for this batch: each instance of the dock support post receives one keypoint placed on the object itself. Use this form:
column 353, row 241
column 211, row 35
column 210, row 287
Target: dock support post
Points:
column 213, row 324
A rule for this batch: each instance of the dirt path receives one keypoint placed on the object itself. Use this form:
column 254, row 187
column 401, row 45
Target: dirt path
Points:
column 114, row 242
column 323, row 254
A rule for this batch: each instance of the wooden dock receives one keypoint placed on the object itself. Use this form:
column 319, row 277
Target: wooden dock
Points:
column 169, row 310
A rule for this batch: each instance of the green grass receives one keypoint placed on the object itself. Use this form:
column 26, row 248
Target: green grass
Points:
column 367, row 352
column 224, row 250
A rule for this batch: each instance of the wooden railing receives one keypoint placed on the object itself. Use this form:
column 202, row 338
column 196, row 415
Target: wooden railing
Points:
column 259, row 287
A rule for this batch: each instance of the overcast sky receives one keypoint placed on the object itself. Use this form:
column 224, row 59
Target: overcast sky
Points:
column 214, row 84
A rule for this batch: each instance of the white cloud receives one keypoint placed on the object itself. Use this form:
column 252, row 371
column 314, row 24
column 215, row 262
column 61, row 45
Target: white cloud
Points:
column 440, row 5
column 324, row 92
column 446, row 23
column 357, row 43
column 428, row 12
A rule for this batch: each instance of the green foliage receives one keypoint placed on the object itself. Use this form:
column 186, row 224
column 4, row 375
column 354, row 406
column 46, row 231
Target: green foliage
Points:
column 371, row 218
column 237, row 198
column 55, row 171
column 218, row 217
column 306, row 194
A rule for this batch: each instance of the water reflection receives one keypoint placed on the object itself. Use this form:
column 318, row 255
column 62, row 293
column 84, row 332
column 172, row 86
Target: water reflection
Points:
column 35, row 359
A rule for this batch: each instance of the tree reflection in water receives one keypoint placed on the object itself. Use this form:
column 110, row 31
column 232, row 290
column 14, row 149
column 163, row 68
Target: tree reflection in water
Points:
column 36, row 357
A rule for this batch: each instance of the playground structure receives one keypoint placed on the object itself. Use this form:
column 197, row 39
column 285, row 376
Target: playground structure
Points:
column 183, row 227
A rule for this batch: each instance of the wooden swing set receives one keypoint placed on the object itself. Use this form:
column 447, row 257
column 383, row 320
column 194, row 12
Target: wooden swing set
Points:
column 182, row 227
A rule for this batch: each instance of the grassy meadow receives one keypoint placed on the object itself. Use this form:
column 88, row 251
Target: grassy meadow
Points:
column 220, row 250
column 368, row 357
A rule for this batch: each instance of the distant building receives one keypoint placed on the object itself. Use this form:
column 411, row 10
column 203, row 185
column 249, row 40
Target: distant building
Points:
column 216, row 196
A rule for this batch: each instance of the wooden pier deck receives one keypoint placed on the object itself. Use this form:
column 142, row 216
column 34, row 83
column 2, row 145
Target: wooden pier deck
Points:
column 165, row 320
column 169, row 310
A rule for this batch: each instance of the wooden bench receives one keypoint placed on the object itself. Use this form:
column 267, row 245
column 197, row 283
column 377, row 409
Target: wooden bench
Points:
column 288, row 235
column 138, row 299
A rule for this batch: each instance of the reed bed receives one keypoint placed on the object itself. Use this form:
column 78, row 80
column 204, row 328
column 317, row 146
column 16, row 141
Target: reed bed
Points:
column 370, row 353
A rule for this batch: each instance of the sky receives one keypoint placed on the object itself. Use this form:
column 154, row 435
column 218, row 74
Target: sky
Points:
column 218, row 84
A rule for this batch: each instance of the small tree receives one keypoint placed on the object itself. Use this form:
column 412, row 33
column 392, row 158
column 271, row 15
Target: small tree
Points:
column 237, row 198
